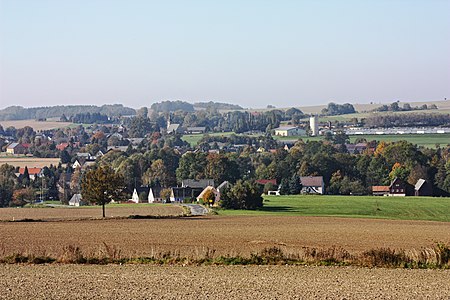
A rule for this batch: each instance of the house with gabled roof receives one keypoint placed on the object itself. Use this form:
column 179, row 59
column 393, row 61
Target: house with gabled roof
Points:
column 16, row 148
column 154, row 194
column 289, row 131
column 33, row 172
column 400, row 188
column 423, row 188
column 380, row 190
column 312, row 185
column 201, row 196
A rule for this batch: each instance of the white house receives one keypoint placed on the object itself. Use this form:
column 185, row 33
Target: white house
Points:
column 135, row 197
column 154, row 195
column 76, row 200
column 312, row 185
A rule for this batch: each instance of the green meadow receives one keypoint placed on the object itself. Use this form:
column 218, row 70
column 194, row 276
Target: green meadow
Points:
column 398, row 208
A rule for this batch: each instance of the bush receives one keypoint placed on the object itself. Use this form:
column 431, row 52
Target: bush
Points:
column 242, row 195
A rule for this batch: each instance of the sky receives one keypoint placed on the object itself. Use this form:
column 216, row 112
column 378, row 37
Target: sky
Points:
column 248, row 52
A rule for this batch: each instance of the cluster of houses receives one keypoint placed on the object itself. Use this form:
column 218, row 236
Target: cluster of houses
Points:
column 401, row 188
column 195, row 190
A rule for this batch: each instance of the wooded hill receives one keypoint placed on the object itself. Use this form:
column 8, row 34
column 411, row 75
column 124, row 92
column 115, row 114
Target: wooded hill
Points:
column 22, row 113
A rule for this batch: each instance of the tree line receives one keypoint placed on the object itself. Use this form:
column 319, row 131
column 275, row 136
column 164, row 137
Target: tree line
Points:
column 21, row 113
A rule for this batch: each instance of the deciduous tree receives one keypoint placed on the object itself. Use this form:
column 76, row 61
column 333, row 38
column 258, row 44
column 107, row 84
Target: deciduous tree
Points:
column 101, row 186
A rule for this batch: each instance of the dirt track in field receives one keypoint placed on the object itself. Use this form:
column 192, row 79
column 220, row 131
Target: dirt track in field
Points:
column 233, row 235
column 219, row 282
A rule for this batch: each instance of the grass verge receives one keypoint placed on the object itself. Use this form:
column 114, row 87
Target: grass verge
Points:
column 437, row 257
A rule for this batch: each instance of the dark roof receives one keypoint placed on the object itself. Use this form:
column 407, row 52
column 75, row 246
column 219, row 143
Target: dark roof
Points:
column 186, row 192
column 419, row 184
column 202, row 183
column 311, row 180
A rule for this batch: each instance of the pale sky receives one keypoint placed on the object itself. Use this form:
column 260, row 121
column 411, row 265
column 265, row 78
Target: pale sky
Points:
column 252, row 53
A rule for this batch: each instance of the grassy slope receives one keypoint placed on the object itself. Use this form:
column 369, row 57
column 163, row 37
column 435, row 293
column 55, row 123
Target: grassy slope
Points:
column 425, row 140
column 402, row 208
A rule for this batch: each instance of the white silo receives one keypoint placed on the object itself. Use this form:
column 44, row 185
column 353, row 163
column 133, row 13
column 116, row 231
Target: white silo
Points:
column 314, row 124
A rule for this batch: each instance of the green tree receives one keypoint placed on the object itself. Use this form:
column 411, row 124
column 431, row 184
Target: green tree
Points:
column 7, row 182
column 295, row 185
column 284, row 186
column 242, row 195
column 102, row 185
column 65, row 157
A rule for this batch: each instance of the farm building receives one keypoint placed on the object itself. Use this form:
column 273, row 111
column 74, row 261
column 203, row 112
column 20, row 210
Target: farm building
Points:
column 312, row 185
column 423, row 188
column 400, row 188
column 16, row 148
column 289, row 131
column 380, row 190
column 195, row 130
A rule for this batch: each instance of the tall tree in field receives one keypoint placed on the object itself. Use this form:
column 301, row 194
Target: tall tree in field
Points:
column 102, row 185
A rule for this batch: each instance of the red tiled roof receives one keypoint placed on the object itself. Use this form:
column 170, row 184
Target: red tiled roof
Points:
column 31, row 171
column 264, row 181
column 380, row 188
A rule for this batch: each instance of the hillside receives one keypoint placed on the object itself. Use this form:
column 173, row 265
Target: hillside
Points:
column 22, row 113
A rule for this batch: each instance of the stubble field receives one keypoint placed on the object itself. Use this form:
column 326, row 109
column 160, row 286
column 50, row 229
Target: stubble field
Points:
column 30, row 162
column 36, row 125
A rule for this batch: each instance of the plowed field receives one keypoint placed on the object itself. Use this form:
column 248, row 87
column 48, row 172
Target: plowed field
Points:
column 234, row 235
column 71, row 213
column 214, row 282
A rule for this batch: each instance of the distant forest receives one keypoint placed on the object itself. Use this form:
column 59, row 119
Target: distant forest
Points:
column 406, row 120
column 21, row 113
column 217, row 105
column 172, row 106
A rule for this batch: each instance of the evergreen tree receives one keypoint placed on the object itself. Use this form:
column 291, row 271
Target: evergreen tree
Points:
column 295, row 185
column 284, row 186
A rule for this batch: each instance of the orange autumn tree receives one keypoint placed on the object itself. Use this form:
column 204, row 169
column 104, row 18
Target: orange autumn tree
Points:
column 399, row 171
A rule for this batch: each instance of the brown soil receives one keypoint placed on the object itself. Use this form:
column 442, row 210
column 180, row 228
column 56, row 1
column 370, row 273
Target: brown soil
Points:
column 219, row 282
column 234, row 235
column 70, row 213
